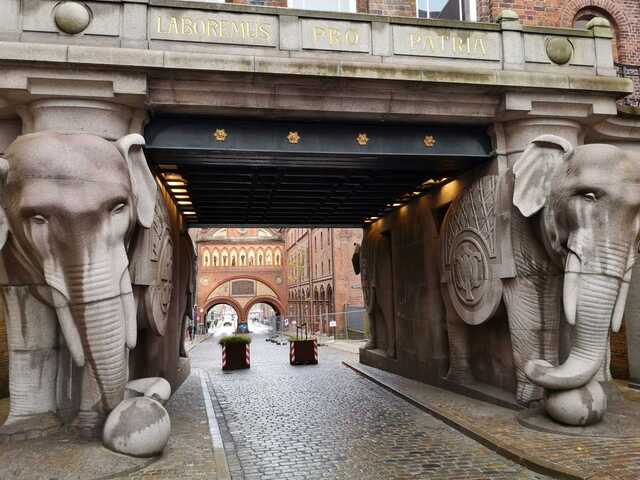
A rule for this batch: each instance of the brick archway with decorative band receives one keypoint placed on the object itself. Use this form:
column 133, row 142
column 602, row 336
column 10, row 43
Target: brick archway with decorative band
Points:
column 226, row 301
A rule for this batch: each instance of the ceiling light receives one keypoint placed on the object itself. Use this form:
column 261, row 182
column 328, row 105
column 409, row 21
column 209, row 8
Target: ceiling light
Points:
column 182, row 197
column 373, row 218
column 176, row 183
column 417, row 193
column 179, row 190
column 189, row 212
column 397, row 204
column 185, row 202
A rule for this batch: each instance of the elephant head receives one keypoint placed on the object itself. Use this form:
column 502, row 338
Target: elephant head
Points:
column 588, row 202
column 69, row 204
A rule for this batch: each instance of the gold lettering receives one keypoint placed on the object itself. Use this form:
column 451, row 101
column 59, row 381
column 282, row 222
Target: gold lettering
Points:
column 212, row 27
column 429, row 40
column 352, row 37
column 173, row 25
column 480, row 45
column 223, row 32
column 442, row 39
column 459, row 45
column 414, row 39
column 334, row 37
column 187, row 26
column 159, row 24
column 264, row 29
column 318, row 33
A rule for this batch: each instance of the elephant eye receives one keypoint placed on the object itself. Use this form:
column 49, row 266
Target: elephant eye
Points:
column 118, row 208
column 589, row 196
column 38, row 219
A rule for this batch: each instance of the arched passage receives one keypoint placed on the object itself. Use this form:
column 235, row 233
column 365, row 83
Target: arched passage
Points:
column 275, row 304
column 226, row 301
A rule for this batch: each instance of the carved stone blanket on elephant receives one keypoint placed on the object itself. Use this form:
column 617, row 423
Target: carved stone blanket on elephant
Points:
column 476, row 247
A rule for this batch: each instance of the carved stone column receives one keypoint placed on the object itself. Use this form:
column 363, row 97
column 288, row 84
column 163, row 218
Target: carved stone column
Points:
column 106, row 119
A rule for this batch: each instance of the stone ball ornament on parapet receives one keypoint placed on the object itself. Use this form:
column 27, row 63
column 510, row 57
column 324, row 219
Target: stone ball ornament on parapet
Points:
column 553, row 239
column 72, row 17
column 74, row 208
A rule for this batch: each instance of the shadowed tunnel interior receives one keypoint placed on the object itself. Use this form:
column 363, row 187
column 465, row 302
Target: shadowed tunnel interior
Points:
column 225, row 171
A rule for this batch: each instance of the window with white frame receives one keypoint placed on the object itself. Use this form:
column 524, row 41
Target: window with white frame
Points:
column 325, row 5
column 448, row 9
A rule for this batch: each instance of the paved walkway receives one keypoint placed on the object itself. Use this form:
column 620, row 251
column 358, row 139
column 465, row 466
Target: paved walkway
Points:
column 579, row 457
column 325, row 421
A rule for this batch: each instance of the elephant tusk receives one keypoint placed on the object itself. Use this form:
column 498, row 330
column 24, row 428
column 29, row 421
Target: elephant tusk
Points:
column 623, row 293
column 69, row 328
column 571, row 287
column 130, row 310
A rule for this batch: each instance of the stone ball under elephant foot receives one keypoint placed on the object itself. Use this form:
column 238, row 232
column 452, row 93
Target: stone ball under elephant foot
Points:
column 579, row 406
column 153, row 387
column 138, row 426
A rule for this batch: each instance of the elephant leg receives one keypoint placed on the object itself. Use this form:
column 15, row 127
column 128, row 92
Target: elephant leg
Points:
column 371, row 319
column 33, row 363
column 459, row 370
column 534, row 308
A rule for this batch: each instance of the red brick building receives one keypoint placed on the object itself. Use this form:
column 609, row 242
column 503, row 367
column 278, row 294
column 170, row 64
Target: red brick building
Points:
column 322, row 286
column 240, row 267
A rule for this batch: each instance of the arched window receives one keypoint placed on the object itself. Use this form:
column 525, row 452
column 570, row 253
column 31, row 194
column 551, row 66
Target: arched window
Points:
column 243, row 257
column 225, row 258
column 278, row 257
column 216, row 258
column 584, row 16
column 268, row 257
column 260, row 257
column 234, row 258
column 206, row 258
column 252, row 257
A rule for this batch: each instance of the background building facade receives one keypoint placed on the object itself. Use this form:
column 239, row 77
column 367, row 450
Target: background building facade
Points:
column 240, row 267
column 322, row 286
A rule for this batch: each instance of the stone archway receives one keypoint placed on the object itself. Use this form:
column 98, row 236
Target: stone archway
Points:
column 240, row 312
column 272, row 302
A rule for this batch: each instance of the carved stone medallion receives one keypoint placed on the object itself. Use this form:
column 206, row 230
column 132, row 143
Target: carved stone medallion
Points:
column 469, row 253
column 157, row 296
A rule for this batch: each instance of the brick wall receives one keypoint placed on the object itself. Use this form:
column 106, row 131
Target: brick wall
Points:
column 4, row 356
column 403, row 8
column 624, row 14
column 619, row 355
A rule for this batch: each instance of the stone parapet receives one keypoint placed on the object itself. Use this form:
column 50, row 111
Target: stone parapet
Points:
column 179, row 35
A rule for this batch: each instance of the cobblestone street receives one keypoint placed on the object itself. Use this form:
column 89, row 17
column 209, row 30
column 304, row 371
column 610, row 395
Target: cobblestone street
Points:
column 326, row 421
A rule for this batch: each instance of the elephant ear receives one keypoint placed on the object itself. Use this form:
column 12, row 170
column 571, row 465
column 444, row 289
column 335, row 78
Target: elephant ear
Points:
column 534, row 169
column 142, row 180
column 4, row 223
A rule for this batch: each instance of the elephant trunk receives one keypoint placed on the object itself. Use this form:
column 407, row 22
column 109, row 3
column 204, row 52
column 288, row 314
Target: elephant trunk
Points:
column 103, row 336
column 594, row 297
column 94, row 320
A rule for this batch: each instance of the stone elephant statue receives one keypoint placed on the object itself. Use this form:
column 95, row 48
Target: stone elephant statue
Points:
column 555, row 236
column 376, row 278
column 73, row 209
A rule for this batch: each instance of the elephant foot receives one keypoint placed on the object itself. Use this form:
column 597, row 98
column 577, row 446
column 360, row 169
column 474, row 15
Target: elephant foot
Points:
column 460, row 374
column 88, row 424
column 528, row 394
column 29, row 426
